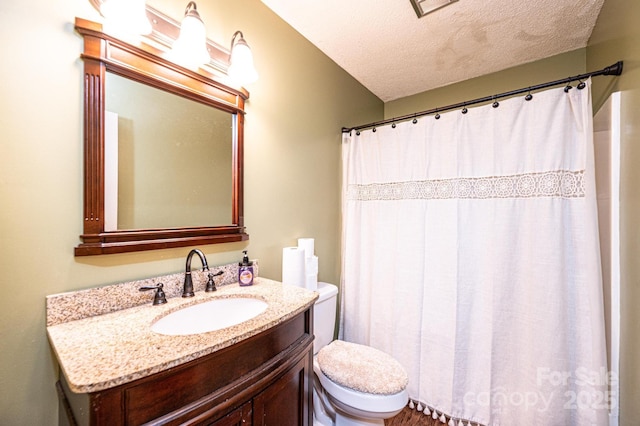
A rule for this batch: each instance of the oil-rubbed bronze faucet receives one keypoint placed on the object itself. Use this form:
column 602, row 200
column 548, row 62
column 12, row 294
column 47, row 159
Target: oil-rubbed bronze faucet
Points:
column 159, row 298
column 211, row 285
column 187, row 291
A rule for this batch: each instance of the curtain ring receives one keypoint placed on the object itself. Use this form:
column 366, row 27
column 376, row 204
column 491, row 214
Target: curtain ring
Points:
column 495, row 104
column 415, row 120
column 374, row 130
column 568, row 87
column 357, row 132
column 393, row 125
column 464, row 109
column 581, row 85
column 529, row 95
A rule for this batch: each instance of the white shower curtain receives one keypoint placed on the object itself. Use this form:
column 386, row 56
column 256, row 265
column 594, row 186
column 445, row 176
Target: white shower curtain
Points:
column 471, row 254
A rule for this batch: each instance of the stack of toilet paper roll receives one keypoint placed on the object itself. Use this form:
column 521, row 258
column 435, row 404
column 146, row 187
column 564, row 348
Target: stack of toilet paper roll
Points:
column 300, row 265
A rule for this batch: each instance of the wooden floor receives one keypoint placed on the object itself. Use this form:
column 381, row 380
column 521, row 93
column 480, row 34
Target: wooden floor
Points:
column 409, row 417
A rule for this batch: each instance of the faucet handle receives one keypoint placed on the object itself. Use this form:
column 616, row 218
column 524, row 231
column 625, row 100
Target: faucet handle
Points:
column 159, row 298
column 211, row 285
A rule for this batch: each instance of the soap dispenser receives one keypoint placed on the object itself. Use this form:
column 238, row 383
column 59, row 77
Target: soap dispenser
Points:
column 245, row 271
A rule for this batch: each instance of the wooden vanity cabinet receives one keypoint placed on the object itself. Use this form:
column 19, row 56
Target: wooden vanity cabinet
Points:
column 263, row 380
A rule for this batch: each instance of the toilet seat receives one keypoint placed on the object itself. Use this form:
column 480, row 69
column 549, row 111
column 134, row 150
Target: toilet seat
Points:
column 368, row 404
column 387, row 400
column 362, row 368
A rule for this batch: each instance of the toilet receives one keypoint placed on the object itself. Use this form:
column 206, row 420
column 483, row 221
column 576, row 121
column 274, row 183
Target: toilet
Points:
column 354, row 385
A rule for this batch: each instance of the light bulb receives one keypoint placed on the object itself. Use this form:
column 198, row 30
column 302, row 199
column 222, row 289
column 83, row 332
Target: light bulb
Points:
column 190, row 49
column 241, row 67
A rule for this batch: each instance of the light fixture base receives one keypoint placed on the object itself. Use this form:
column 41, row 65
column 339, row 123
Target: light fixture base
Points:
column 165, row 30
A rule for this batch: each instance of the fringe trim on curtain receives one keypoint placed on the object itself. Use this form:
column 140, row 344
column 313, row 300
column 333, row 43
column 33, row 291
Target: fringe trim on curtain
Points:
column 439, row 415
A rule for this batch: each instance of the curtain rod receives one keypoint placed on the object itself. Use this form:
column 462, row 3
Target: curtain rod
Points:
column 615, row 69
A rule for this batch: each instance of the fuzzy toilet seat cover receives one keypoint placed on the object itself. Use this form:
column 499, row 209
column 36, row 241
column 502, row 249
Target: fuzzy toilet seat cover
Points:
column 362, row 368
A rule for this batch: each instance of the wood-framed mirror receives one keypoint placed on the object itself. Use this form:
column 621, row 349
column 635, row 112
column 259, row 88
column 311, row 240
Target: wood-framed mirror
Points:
column 201, row 175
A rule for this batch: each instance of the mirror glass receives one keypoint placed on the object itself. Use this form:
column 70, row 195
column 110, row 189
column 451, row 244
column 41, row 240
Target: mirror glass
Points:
column 168, row 159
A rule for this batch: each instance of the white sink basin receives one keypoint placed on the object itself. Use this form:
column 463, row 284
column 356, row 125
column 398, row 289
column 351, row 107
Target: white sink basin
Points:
column 213, row 315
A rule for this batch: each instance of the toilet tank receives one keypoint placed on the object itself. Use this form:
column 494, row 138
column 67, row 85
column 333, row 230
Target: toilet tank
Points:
column 324, row 315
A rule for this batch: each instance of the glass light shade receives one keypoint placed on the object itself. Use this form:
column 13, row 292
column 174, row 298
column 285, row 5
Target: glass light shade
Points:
column 241, row 68
column 190, row 49
column 125, row 17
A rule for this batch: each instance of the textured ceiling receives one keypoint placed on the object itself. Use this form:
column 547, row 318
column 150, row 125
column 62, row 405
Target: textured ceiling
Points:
column 384, row 45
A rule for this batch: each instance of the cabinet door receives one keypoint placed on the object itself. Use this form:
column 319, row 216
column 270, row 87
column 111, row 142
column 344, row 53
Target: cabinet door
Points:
column 286, row 401
column 241, row 416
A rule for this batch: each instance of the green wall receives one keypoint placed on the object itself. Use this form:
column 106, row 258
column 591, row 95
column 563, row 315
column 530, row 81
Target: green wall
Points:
column 549, row 69
column 617, row 37
column 292, row 172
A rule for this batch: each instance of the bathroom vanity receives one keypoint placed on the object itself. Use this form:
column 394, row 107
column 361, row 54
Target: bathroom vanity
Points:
column 119, row 372
column 115, row 369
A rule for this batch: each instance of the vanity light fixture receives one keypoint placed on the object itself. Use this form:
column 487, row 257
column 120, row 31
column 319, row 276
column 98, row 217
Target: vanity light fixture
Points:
column 241, row 68
column 190, row 48
column 125, row 17
column 185, row 43
column 424, row 7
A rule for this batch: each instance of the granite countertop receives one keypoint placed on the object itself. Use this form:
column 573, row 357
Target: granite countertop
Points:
column 103, row 351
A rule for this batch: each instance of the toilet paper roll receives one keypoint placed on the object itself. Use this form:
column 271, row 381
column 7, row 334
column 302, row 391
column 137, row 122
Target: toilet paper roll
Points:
column 308, row 245
column 311, row 283
column 293, row 266
column 311, row 265
column 311, row 273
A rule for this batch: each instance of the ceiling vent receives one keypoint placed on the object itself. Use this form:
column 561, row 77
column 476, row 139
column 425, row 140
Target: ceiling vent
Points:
column 422, row 7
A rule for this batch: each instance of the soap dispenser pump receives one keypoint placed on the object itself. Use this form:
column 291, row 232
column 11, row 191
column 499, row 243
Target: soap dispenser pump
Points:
column 245, row 271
